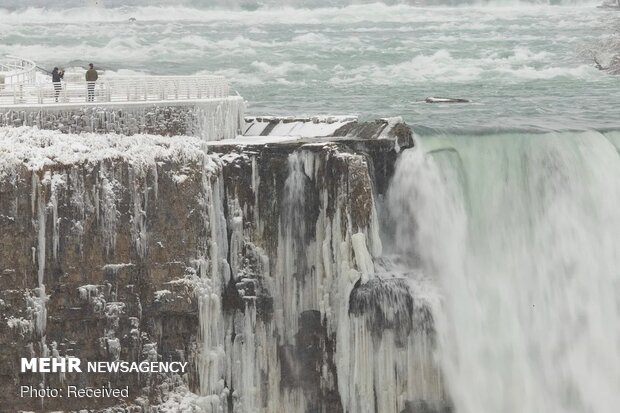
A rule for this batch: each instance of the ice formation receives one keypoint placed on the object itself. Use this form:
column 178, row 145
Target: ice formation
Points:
column 209, row 119
column 280, row 258
column 321, row 258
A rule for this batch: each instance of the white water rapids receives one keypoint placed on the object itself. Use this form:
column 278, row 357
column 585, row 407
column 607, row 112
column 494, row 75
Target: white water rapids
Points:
column 522, row 234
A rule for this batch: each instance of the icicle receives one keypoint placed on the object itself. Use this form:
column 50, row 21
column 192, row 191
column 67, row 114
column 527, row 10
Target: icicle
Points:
column 41, row 299
column 57, row 182
column 139, row 195
column 255, row 186
column 236, row 237
column 210, row 362
column 155, row 180
column 106, row 211
column 219, row 119
column 362, row 256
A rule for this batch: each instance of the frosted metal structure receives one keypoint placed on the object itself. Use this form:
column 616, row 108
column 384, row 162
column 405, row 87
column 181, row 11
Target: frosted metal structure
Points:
column 15, row 71
column 20, row 87
column 147, row 89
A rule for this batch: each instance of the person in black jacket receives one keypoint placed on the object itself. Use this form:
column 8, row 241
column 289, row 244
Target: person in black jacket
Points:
column 57, row 76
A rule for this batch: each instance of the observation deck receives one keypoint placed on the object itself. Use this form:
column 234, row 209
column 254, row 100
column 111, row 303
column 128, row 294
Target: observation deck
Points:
column 22, row 86
column 201, row 105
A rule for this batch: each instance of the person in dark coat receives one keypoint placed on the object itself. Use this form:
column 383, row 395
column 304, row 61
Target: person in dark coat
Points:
column 91, row 78
column 57, row 76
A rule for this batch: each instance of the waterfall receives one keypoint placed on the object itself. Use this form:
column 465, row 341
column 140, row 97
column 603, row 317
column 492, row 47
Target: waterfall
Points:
column 521, row 233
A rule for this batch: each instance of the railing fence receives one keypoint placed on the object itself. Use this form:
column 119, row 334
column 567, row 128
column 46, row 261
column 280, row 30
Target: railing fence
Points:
column 15, row 70
column 133, row 89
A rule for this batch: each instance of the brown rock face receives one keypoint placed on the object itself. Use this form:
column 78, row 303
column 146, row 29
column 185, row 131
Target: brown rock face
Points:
column 239, row 261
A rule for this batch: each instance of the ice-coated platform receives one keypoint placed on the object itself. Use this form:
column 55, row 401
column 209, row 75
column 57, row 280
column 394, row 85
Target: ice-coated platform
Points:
column 200, row 106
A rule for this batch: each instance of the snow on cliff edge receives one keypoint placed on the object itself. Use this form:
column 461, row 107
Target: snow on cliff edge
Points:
column 36, row 149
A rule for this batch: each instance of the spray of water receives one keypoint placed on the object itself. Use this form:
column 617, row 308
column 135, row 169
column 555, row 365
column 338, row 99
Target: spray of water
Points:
column 522, row 234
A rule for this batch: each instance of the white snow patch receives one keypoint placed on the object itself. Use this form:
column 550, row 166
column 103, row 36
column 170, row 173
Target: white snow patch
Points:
column 20, row 324
column 317, row 126
column 87, row 291
column 116, row 267
column 159, row 295
column 179, row 178
column 255, row 140
column 36, row 149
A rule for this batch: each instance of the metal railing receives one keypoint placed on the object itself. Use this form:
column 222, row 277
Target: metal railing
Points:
column 16, row 70
column 131, row 89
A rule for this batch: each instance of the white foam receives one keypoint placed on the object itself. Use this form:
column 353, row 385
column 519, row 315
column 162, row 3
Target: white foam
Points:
column 521, row 234
column 443, row 67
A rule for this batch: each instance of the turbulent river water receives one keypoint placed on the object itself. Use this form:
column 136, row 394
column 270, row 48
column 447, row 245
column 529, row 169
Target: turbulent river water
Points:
column 520, row 63
column 521, row 230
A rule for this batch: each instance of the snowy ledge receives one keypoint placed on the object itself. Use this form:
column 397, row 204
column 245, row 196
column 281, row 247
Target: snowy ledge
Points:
column 36, row 149
column 324, row 126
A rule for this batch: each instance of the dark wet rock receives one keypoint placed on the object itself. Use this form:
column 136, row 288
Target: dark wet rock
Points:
column 301, row 363
column 390, row 303
column 385, row 303
column 421, row 406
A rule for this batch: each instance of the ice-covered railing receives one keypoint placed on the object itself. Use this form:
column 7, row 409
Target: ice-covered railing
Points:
column 16, row 71
column 129, row 89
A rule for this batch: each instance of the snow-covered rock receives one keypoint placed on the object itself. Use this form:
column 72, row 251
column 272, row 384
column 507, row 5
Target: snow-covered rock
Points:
column 256, row 264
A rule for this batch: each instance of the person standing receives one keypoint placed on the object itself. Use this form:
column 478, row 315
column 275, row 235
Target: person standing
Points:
column 91, row 78
column 57, row 76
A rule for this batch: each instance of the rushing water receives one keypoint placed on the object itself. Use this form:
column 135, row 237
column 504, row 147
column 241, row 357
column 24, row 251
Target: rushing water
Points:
column 522, row 233
column 518, row 62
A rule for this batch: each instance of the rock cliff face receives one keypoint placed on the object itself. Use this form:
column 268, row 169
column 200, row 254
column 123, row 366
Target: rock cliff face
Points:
column 257, row 264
